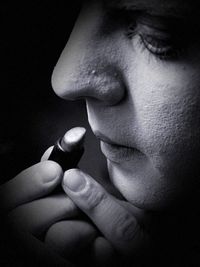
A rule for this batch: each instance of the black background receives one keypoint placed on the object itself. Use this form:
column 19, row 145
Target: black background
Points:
column 32, row 117
column 34, row 34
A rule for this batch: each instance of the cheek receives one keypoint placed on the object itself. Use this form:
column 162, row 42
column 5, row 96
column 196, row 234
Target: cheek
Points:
column 166, row 99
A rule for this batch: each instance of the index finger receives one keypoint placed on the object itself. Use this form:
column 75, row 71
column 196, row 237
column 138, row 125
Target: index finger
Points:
column 32, row 183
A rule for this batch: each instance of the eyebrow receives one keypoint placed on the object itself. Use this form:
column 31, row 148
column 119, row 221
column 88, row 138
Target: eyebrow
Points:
column 182, row 9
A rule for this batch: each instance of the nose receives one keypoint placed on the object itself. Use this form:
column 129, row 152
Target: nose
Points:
column 87, row 67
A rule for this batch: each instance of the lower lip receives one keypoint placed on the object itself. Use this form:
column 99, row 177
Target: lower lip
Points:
column 117, row 153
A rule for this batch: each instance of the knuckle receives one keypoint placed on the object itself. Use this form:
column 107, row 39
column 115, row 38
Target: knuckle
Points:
column 93, row 197
column 126, row 227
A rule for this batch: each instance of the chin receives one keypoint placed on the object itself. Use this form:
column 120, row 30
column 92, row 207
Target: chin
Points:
column 145, row 187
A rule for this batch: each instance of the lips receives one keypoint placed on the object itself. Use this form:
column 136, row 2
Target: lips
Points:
column 115, row 152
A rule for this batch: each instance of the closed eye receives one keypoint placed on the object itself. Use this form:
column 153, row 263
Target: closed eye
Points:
column 160, row 41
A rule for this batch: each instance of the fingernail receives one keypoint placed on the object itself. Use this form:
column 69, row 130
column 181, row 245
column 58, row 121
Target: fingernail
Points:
column 50, row 171
column 74, row 180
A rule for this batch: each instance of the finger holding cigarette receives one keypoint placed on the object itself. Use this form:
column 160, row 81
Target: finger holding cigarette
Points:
column 29, row 194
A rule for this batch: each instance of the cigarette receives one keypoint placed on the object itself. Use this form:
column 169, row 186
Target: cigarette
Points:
column 69, row 149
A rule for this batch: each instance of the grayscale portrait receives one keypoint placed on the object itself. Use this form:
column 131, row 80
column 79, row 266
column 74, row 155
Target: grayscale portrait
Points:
column 101, row 144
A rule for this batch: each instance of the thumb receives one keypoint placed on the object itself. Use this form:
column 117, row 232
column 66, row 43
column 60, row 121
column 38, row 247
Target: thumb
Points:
column 118, row 225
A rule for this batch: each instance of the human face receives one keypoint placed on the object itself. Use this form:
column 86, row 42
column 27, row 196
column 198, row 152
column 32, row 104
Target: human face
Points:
column 137, row 66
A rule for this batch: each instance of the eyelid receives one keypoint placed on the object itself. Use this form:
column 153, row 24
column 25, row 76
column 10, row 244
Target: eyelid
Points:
column 177, row 29
column 160, row 48
column 162, row 40
column 161, row 44
column 155, row 22
column 155, row 45
column 152, row 31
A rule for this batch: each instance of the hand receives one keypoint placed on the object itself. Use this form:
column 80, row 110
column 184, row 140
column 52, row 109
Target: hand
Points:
column 119, row 222
column 26, row 199
column 28, row 203
column 28, row 210
column 72, row 238
column 29, row 206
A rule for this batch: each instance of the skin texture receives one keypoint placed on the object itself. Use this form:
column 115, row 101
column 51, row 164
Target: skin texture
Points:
column 157, row 99
column 146, row 103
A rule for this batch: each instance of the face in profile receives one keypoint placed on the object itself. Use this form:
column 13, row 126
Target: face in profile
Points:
column 137, row 64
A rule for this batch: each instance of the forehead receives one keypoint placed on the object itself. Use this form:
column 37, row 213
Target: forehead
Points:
column 173, row 8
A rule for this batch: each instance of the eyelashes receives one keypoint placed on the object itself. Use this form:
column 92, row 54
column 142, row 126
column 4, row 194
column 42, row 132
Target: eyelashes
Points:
column 160, row 48
column 162, row 45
